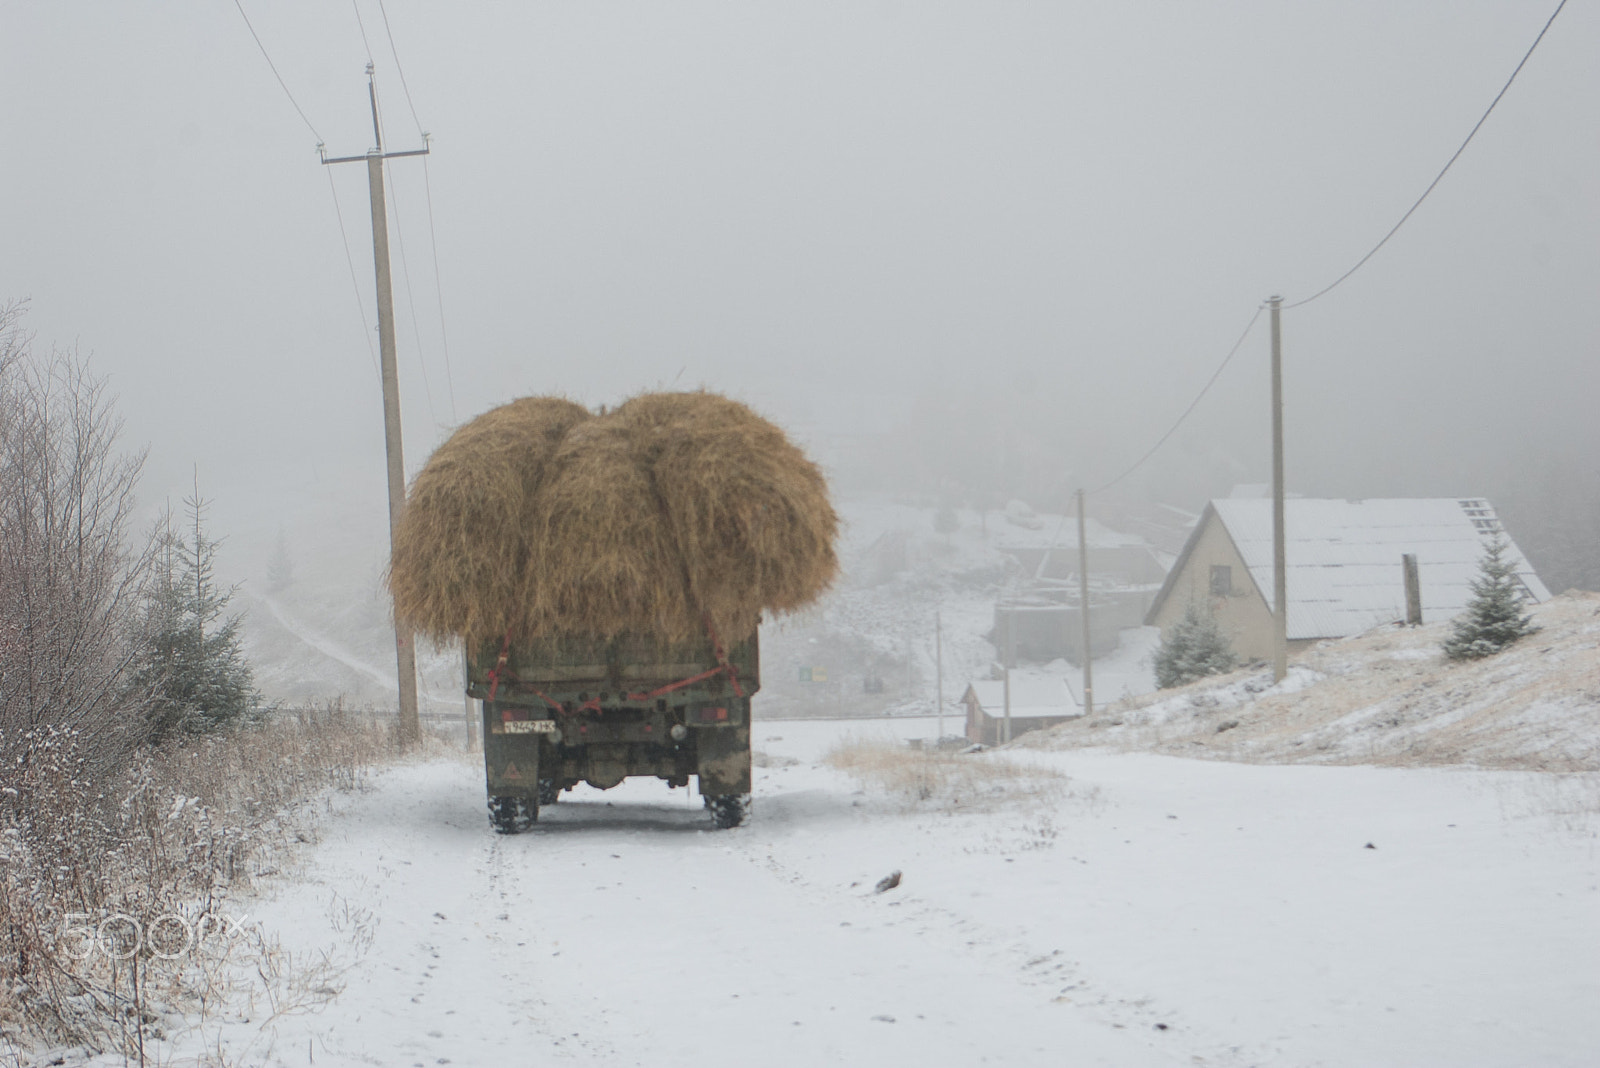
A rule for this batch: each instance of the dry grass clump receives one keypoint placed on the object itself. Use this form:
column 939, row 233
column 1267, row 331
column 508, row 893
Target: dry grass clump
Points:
column 179, row 832
column 464, row 547
column 675, row 510
column 953, row 780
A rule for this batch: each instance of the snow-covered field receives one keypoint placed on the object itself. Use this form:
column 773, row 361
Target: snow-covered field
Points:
column 1152, row 910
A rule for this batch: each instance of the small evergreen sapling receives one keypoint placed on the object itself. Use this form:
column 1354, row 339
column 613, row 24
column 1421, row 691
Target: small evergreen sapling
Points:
column 194, row 671
column 1493, row 618
column 1193, row 648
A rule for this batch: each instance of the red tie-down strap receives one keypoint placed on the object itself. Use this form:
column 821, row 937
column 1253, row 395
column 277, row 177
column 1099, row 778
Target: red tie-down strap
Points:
column 499, row 667
column 722, row 657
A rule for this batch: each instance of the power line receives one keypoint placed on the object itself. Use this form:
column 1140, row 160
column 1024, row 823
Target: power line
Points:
column 433, row 242
column 1361, row 262
column 275, row 74
column 1192, row 405
column 438, row 290
column 362, row 26
column 405, row 270
column 398, row 68
column 356, row 286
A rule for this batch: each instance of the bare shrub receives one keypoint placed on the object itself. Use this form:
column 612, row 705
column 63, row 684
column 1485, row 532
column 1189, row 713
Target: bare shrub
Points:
column 179, row 830
column 69, row 583
column 951, row 780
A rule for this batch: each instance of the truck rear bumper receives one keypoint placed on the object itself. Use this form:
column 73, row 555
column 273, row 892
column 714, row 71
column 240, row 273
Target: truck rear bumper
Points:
column 604, row 749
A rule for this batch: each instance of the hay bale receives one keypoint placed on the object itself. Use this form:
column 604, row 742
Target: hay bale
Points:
column 604, row 562
column 462, row 549
column 537, row 519
column 748, row 511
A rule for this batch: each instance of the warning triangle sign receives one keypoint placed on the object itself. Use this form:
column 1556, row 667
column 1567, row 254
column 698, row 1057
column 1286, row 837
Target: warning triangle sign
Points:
column 511, row 772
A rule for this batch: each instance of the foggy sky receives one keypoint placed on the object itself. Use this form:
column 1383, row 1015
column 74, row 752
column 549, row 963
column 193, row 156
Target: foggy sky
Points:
column 1043, row 215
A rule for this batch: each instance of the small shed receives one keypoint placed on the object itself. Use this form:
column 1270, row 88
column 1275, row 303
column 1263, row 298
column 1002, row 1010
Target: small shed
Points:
column 1344, row 570
column 1037, row 701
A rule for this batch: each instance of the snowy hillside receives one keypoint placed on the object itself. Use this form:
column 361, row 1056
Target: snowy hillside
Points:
column 1385, row 697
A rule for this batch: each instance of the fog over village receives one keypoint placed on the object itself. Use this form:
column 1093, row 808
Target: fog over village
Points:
column 970, row 261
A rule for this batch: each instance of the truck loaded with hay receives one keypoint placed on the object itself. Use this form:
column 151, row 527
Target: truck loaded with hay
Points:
column 607, row 574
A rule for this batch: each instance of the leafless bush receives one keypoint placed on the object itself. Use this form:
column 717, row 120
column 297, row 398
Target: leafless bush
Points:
column 179, row 830
column 69, row 581
column 953, row 780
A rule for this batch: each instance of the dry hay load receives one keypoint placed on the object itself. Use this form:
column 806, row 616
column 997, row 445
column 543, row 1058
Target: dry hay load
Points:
column 672, row 512
column 606, row 562
column 748, row 511
column 464, row 539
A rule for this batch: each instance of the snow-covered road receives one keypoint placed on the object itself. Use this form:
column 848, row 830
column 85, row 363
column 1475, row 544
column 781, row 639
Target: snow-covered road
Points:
column 1159, row 912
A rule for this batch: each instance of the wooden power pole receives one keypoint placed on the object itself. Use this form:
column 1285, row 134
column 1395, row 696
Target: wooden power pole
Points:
column 1083, row 609
column 1280, row 576
column 404, row 647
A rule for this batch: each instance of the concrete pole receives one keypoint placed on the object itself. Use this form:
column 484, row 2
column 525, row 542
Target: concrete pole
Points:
column 405, row 653
column 1280, row 576
column 1083, row 609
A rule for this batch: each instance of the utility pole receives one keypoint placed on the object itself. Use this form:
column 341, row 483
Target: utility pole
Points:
column 404, row 648
column 938, row 671
column 1083, row 609
column 1010, row 655
column 1280, row 575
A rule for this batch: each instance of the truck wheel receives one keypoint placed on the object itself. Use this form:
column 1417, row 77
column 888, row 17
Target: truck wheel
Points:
column 727, row 810
column 512, row 815
column 549, row 792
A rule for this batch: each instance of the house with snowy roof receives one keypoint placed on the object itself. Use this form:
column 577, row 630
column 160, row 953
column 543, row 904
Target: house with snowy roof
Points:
column 1037, row 701
column 1344, row 569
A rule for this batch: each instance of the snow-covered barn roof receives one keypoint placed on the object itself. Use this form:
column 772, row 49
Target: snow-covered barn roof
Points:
column 1344, row 573
column 1032, row 696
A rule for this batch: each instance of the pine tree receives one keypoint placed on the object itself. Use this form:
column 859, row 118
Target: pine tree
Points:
column 1193, row 648
column 194, row 669
column 1493, row 618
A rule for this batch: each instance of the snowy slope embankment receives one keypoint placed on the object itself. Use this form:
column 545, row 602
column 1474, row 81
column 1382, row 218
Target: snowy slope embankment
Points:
column 1385, row 697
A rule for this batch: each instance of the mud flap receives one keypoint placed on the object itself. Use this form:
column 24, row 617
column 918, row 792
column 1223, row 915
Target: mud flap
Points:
column 511, row 763
column 724, row 760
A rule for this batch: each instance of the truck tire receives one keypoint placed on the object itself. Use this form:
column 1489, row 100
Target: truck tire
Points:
column 512, row 814
column 727, row 810
column 549, row 792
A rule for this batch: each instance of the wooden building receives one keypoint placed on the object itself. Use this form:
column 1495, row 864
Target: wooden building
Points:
column 1036, row 702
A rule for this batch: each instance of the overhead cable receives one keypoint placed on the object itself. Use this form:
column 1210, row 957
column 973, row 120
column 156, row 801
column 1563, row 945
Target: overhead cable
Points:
column 399, row 69
column 1192, row 405
column 1437, row 178
column 362, row 26
column 361, row 310
column 438, row 291
column 275, row 74
column 405, row 272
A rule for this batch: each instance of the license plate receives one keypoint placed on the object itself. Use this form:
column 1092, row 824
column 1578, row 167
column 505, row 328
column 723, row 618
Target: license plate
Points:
column 526, row 726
